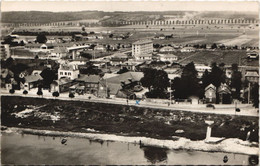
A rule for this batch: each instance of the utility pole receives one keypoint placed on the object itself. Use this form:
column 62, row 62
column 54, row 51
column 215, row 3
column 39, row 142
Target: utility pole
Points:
column 249, row 93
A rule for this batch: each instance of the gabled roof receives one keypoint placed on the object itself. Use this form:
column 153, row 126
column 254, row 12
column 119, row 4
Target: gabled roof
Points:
column 210, row 86
column 224, row 89
column 32, row 78
column 126, row 77
column 89, row 78
column 251, row 74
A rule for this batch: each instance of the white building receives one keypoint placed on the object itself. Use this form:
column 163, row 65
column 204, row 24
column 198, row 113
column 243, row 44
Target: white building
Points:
column 188, row 49
column 142, row 47
column 143, row 57
column 168, row 57
column 167, row 49
column 69, row 71
column 201, row 69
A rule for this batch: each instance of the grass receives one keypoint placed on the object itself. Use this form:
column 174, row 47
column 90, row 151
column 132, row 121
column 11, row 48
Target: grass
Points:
column 118, row 119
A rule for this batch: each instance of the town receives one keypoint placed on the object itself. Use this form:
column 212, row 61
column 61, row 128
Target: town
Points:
column 164, row 76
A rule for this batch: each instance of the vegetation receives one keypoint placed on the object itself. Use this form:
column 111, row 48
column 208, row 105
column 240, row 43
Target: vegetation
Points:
column 157, row 87
column 41, row 38
column 255, row 95
column 55, row 94
column 188, row 84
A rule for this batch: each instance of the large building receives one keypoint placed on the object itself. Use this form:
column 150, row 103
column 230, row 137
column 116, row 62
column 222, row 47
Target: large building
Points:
column 142, row 47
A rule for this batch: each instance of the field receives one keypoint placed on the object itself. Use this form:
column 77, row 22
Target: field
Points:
column 220, row 56
column 78, row 116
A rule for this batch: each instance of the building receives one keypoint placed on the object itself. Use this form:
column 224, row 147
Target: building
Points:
column 61, row 85
column 125, row 85
column 91, row 84
column 188, row 49
column 224, row 93
column 31, row 81
column 69, row 71
column 167, row 49
column 252, row 76
column 100, row 48
column 168, row 57
column 142, row 47
column 58, row 53
column 253, row 54
column 201, row 69
column 210, row 94
column 144, row 57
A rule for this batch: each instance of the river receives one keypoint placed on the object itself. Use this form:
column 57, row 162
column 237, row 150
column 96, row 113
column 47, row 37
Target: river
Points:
column 33, row 149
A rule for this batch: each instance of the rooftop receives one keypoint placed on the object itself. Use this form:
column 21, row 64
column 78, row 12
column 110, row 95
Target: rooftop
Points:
column 126, row 78
column 89, row 78
column 142, row 42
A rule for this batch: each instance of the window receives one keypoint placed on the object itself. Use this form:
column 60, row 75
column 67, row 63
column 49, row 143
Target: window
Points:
column 69, row 73
column 61, row 73
column 65, row 73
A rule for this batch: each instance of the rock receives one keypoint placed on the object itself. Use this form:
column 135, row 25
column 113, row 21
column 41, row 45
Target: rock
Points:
column 179, row 131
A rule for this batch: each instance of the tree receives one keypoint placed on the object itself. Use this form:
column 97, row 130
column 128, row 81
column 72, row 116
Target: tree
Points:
column 25, row 92
column 86, row 55
column 55, row 94
column 214, row 46
column 255, row 95
column 48, row 76
column 39, row 92
column 71, row 95
column 11, row 91
column 236, row 80
column 41, row 38
column 217, row 76
column 205, row 79
column 157, row 87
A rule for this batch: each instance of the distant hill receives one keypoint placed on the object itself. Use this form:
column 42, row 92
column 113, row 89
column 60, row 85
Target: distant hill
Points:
column 48, row 17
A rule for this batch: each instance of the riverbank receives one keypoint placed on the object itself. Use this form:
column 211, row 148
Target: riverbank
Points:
column 242, row 147
column 125, row 120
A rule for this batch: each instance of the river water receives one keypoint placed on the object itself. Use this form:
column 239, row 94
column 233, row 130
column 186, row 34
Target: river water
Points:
column 34, row 149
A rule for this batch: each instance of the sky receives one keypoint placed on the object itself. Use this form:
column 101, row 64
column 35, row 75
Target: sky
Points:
column 58, row 6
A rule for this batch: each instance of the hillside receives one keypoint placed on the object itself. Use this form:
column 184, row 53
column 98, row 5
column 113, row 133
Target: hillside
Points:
column 48, row 17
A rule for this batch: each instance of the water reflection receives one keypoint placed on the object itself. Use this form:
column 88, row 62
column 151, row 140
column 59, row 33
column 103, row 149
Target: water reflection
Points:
column 155, row 154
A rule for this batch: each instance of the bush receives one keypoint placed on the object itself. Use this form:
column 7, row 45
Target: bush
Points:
column 39, row 93
column 11, row 91
column 71, row 95
column 55, row 94
column 25, row 92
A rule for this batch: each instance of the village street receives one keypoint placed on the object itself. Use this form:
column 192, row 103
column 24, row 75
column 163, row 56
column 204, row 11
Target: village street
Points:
column 225, row 109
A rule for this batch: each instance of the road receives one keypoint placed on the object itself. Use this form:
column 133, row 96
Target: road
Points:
column 225, row 109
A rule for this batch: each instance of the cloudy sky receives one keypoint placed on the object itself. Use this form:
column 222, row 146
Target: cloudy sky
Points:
column 57, row 6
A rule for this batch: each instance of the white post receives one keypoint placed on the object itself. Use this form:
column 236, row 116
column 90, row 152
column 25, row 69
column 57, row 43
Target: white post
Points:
column 208, row 135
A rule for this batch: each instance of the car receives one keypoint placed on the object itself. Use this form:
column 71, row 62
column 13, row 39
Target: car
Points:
column 210, row 106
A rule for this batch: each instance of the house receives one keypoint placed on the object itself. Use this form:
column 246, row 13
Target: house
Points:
column 167, row 49
column 31, row 81
column 201, row 68
column 118, row 58
column 252, row 76
column 125, row 85
column 91, row 84
column 159, row 36
column 58, row 53
column 118, row 37
column 252, row 54
column 224, row 93
column 61, row 85
column 144, row 57
column 69, row 71
column 188, row 49
column 210, row 94
column 128, row 65
column 168, row 57
column 100, row 48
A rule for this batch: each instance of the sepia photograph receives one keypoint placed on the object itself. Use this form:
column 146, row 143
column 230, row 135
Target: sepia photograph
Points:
column 129, row 83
